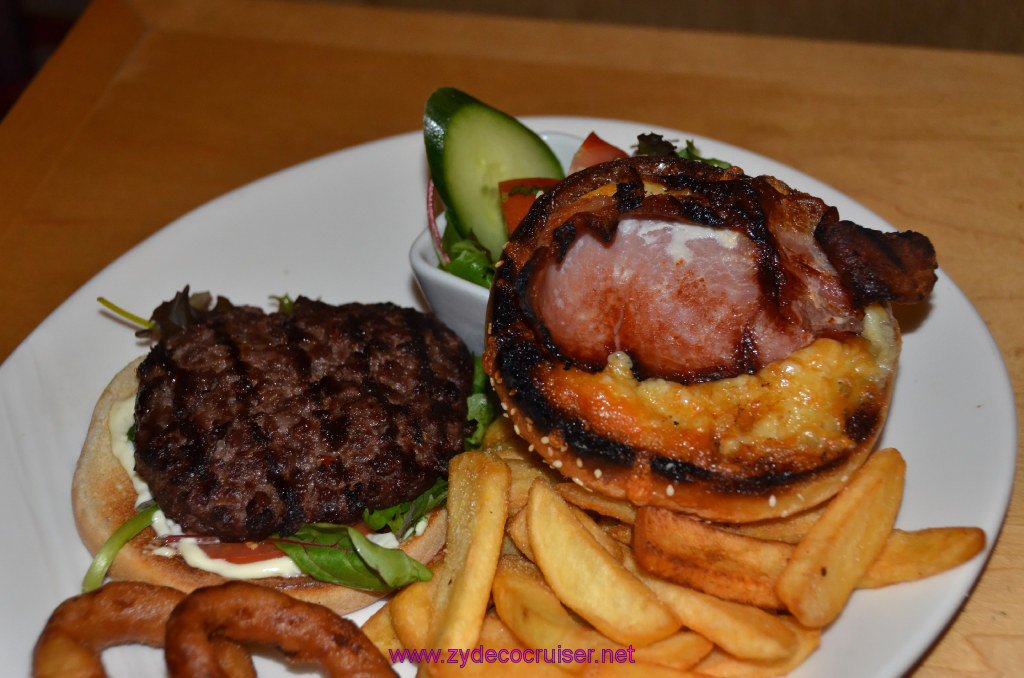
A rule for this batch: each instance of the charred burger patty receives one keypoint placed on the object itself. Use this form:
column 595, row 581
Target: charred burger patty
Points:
column 250, row 424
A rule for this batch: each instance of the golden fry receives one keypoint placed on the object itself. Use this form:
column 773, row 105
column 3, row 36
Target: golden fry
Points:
column 693, row 553
column 518, row 531
column 620, row 532
column 381, row 631
column 534, row 614
column 498, row 653
column 478, row 485
column 908, row 556
column 523, row 473
column 634, row 669
column 613, row 547
column 720, row 664
column 500, row 439
column 790, row 529
column 680, row 651
column 840, row 547
column 620, row 509
column 587, row 579
column 742, row 630
column 411, row 610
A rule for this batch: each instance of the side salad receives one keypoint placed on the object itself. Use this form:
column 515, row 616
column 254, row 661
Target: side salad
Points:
column 487, row 169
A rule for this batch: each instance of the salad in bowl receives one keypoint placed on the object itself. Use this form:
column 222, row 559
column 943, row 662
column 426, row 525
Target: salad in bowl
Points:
column 486, row 170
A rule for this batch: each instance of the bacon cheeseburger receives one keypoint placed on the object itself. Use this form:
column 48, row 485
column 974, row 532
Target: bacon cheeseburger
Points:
column 690, row 337
column 260, row 435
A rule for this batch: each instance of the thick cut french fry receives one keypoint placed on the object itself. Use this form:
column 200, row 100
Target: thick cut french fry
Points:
column 411, row 610
column 498, row 653
column 680, row 651
column 908, row 556
column 693, row 553
column 741, row 630
column 533, row 613
column 635, row 669
column 790, row 529
column 523, row 473
column 478, row 486
column 519, row 533
column 500, row 439
column 587, row 579
column 606, row 541
column 839, row 548
column 720, row 664
column 620, row 509
column 620, row 532
column 381, row 631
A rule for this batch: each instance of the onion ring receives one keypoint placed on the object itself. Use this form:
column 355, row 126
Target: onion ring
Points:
column 119, row 613
column 246, row 613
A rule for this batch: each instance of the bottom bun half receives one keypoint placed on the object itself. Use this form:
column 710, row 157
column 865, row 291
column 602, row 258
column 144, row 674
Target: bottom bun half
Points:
column 103, row 498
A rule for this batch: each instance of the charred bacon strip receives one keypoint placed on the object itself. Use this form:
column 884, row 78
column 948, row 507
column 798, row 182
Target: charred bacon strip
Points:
column 877, row 266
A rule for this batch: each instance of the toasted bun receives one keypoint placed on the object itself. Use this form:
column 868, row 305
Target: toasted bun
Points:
column 103, row 498
column 705, row 411
column 718, row 493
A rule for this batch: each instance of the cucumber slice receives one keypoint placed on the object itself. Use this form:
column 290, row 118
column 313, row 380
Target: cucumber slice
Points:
column 470, row 148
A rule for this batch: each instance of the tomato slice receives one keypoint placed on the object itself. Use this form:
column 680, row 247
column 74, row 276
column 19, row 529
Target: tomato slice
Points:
column 241, row 553
column 593, row 151
column 517, row 195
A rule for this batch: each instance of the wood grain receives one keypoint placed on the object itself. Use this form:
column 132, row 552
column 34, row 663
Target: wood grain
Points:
column 151, row 108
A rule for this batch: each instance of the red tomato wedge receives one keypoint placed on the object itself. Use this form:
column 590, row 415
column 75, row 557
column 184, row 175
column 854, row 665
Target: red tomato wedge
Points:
column 517, row 195
column 241, row 553
column 594, row 151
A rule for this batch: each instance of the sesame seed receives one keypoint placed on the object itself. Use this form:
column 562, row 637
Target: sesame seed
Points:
column 578, row 481
column 531, row 448
column 597, row 473
column 544, row 440
column 579, row 463
column 557, row 463
column 670, row 490
column 515, row 427
column 772, row 500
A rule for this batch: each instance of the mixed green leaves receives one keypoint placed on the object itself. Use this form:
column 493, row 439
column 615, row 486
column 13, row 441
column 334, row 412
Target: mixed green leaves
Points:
column 405, row 516
column 467, row 258
column 339, row 554
column 171, row 316
column 656, row 144
column 482, row 404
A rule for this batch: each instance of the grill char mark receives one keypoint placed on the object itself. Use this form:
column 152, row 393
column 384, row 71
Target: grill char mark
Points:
column 275, row 421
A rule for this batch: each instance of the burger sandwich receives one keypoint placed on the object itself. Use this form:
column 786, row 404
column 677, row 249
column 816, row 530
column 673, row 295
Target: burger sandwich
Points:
column 686, row 336
column 248, row 444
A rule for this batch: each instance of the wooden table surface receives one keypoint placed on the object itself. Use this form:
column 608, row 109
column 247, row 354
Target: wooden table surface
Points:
column 151, row 108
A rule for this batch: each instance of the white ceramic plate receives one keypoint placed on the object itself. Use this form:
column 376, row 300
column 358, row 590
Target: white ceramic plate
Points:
column 339, row 227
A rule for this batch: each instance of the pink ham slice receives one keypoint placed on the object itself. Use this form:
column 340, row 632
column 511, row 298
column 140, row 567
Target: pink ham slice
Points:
column 682, row 299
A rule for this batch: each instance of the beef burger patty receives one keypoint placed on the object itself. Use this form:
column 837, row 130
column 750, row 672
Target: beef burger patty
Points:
column 250, row 424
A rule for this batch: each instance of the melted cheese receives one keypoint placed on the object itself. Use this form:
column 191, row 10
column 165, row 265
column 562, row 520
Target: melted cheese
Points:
column 795, row 408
